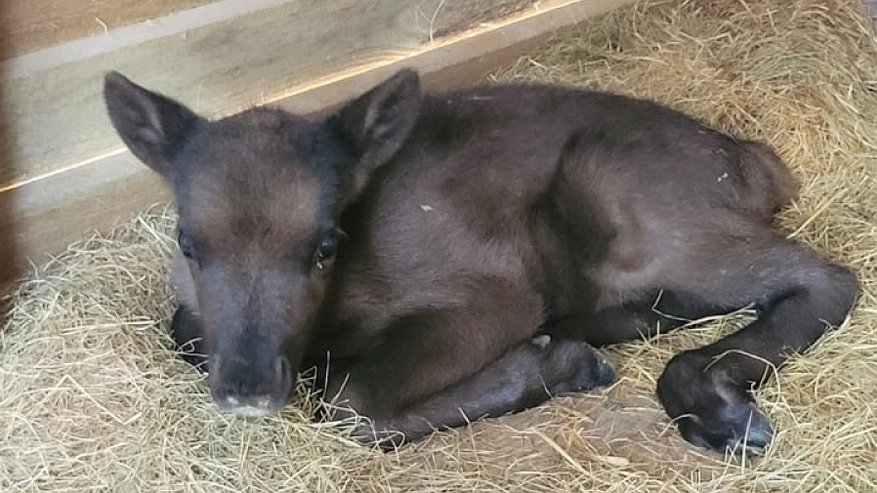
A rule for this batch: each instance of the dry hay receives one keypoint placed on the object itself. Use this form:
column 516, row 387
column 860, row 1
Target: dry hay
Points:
column 92, row 398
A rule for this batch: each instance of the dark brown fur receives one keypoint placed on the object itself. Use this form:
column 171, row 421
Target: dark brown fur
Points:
column 470, row 223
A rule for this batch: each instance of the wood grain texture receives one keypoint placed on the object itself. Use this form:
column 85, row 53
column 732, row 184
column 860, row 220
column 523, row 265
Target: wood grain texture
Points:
column 9, row 257
column 57, row 114
column 52, row 211
column 35, row 24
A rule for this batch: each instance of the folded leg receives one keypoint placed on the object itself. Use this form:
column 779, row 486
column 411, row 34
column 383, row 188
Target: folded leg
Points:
column 798, row 296
column 527, row 375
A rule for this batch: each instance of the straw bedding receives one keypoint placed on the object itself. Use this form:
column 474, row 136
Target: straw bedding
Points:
column 92, row 396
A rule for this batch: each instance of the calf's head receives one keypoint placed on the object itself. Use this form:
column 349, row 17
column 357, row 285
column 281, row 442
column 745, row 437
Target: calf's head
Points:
column 258, row 196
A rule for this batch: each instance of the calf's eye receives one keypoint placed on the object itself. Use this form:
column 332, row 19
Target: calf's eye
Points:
column 327, row 250
column 186, row 245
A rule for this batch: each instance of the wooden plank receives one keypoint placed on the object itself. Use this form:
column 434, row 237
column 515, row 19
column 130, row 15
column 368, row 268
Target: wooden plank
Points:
column 51, row 211
column 247, row 49
column 32, row 25
column 8, row 244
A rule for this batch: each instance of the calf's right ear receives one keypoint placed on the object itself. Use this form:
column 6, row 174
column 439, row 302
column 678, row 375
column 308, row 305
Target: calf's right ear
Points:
column 153, row 126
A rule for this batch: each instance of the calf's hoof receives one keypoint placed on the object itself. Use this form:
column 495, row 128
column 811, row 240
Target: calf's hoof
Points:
column 366, row 431
column 572, row 365
column 186, row 333
column 711, row 409
column 736, row 429
column 385, row 440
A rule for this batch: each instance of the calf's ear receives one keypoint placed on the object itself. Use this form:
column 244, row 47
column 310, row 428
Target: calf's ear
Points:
column 153, row 126
column 378, row 123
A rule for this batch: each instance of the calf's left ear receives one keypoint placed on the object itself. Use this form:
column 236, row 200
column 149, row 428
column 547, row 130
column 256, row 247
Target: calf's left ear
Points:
column 378, row 123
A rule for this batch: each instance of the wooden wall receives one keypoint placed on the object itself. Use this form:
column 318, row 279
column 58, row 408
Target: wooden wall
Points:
column 65, row 171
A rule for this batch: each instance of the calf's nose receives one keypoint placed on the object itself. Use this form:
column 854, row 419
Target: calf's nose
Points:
column 245, row 388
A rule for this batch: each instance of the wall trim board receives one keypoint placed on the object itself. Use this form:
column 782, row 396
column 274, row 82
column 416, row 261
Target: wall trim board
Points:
column 131, row 35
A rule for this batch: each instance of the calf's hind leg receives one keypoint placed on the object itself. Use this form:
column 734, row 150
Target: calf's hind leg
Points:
column 798, row 295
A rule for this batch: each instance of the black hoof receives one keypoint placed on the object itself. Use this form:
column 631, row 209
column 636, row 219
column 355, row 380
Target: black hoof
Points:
column 186, row 333
column 364, row 430
column 734, row 429
column 711, row 409
column 385, row 441
column 573, row 366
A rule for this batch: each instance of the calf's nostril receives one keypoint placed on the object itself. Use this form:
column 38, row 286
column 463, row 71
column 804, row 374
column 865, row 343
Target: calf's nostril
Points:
column 282, row 374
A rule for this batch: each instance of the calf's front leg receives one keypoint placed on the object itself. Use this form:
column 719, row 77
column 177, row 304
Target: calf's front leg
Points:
column 527, row 375
column 438, row 367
